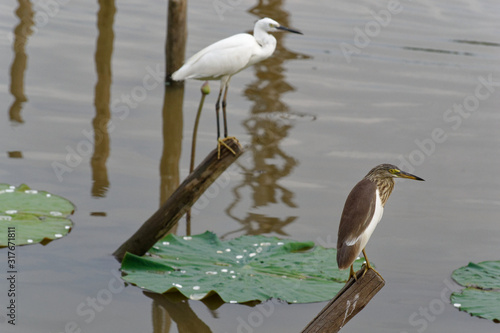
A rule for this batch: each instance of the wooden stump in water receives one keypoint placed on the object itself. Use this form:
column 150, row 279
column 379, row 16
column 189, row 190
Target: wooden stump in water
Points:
column 347, row 303
column 159, row 224
column 175, row 46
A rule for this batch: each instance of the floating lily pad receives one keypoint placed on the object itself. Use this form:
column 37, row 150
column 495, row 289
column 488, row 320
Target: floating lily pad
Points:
column 241, row 270
column 29, row 216
column 481, row 298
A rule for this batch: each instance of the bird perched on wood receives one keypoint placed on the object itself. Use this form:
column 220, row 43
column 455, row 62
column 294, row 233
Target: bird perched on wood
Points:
column 362, row 212
column 223, row 59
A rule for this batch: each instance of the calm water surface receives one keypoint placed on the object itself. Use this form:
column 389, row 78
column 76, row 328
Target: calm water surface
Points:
column 359, row 88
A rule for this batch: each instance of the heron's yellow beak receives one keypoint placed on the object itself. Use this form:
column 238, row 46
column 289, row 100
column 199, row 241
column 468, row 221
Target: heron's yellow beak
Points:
column 403, row 174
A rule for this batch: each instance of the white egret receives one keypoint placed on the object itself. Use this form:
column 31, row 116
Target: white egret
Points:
column 222, row 59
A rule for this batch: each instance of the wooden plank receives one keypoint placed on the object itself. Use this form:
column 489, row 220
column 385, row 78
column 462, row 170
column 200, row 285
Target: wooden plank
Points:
column 159, row 224
column 347, row 303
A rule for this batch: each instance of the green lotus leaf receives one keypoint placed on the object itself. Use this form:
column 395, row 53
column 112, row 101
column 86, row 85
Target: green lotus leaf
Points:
column 29, row 216
column 485, row 275
column 479, row 303
column 241, row 270
column 481, row 298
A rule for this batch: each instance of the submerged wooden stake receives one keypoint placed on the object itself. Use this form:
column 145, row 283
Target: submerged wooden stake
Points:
column 347, row 303
column 159, row 224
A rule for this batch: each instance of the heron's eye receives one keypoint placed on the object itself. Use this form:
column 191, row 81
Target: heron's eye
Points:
column 393, row 171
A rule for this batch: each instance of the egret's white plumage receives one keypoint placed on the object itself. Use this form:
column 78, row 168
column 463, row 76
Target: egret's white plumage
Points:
column 223, row 59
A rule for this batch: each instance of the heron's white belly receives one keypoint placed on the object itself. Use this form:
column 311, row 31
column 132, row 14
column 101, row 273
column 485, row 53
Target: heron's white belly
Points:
column 377, row 216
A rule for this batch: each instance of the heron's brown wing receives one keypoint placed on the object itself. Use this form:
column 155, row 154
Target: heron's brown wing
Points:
column 357, row 214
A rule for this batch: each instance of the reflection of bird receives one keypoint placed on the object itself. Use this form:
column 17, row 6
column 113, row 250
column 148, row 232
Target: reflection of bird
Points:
column 363, row 210
column 229, row 56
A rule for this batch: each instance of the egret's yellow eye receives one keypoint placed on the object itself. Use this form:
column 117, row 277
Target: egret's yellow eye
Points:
column 394, row 171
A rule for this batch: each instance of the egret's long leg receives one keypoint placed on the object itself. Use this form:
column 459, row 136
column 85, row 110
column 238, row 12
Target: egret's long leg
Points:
column 217, row 108
column 221, row 141
column 224, row 109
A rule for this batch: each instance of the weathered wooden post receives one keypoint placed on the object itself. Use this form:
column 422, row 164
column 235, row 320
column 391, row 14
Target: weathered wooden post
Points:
column 159, row 224
column 175, row 47
column 347, row 303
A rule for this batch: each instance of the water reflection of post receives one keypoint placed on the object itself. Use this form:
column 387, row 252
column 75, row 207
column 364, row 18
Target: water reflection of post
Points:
column 177, row 308
column 21, row 33
column 104, row 51
column 175, row 48
column 267, row 129
column 172, row 140
column 169, row 174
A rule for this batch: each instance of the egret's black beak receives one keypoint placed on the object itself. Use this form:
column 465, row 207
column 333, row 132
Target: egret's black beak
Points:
column 289, row 30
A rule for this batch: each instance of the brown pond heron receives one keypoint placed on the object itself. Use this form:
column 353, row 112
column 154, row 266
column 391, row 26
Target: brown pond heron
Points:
column 362, row 212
